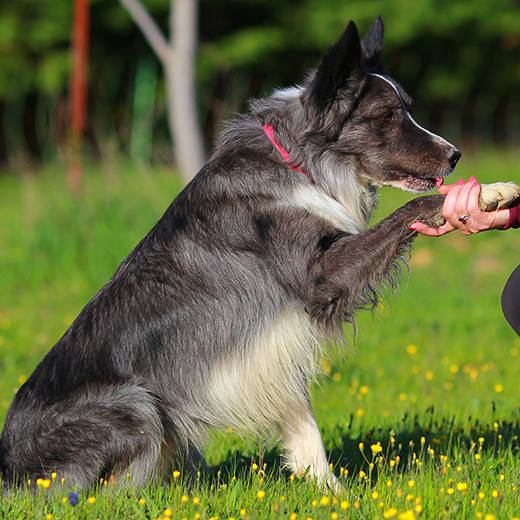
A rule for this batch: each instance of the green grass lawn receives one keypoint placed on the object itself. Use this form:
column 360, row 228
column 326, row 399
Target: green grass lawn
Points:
column 432, row 376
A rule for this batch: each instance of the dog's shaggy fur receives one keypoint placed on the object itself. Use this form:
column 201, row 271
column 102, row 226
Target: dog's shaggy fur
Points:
column 216, row 318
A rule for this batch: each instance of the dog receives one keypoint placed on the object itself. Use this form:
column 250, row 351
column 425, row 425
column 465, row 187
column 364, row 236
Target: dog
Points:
column 218, row 317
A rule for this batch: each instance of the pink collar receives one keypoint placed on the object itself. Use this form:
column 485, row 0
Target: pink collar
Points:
column 269, row 132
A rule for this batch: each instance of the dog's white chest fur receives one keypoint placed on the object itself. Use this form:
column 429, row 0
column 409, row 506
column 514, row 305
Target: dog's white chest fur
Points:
column 263, row 382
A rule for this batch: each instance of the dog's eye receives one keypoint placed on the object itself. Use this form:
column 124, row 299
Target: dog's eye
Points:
column 387, row 117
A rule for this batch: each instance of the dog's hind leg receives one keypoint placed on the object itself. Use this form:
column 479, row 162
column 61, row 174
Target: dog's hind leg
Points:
column 304, row 453
column 96, row 433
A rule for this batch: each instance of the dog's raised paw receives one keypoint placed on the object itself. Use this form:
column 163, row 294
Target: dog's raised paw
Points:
column 498, row 195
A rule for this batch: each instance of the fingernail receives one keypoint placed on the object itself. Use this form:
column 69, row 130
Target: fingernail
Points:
column 475, row 183
column 460, row 182
column 471, row 179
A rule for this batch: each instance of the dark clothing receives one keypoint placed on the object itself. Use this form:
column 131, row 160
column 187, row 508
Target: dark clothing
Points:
column 511, row 300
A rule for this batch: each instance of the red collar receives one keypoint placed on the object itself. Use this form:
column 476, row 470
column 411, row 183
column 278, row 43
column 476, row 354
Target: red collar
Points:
column 269, row 132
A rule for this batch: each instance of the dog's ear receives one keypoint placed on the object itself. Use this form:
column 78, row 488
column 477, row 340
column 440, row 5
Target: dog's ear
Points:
column 341, row 69
column 372, row 45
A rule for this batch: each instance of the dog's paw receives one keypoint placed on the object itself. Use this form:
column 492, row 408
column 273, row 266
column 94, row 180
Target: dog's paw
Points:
column 428, row 210
column 498, row 195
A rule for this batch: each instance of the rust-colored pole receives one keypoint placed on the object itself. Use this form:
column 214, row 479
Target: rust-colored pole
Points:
column 78, row 90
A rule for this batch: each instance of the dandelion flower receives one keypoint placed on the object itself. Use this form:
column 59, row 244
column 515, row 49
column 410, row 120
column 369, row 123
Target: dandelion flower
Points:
column 261, row 494
column 168, row 513
column 325, row 500
column 293, row 516
column 376, row 448
column 344, row 505
column 176, row 474
column 462, row 486
column 390, row 513
column 91, row 500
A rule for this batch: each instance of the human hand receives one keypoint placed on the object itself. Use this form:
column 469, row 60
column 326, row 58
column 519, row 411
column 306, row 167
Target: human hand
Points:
column 461, row 211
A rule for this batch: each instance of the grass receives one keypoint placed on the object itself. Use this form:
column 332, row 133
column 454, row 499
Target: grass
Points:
column 431, row 376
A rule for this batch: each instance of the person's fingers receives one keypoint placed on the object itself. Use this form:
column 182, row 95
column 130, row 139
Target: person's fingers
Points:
column 448, row 209
column 461, row 205
column 432, row 232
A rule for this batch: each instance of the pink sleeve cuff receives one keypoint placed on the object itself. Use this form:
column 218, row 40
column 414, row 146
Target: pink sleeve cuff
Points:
column 513, row 218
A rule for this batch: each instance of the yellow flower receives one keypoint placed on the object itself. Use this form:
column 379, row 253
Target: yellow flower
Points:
column 450, row 491
column 462, row 486
column 142, row 501
column 499, row 389
column 376, row 448
column 91, row 500
column 361, row 446
column 46, row 483
column 196, row 501
column 261, row 494
column 390, row 513
column 184, row 499
column 334, row 515
column 293, row 516
column 325, row 501
column 494, row 493
column 344, row 505
column 477, row 456
column 243, row 512
column 375, row 495
column 176, row 474
column 411, row 349
column 168, row 513
column 411, row 483
column 407, row 515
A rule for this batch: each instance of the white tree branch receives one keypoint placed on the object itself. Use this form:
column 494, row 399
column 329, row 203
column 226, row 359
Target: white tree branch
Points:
column 149, row 28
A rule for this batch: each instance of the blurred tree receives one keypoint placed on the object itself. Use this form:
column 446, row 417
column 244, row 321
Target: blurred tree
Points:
column 78, row 90
column 178, row 58
column 459, row 58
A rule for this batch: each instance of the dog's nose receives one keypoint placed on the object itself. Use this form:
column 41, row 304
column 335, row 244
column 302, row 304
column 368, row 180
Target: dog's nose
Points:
column 454, row 158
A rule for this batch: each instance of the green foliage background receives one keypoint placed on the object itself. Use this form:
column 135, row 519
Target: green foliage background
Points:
column 459, row 58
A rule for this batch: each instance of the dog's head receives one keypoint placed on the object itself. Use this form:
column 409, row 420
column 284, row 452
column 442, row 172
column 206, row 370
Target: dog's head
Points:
column 356, row 110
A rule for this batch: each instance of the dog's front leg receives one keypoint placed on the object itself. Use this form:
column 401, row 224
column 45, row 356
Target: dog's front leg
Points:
column 348, row 273
column 304, row 453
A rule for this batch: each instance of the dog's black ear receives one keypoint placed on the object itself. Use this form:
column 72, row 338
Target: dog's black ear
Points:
column 338, row 66
column 372, row 45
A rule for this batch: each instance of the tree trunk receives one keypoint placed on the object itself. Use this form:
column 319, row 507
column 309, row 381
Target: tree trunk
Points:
column 180, row 72
column 178, row 58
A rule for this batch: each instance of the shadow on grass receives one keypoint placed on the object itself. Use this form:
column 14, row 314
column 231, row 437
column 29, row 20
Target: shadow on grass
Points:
column 423, row 440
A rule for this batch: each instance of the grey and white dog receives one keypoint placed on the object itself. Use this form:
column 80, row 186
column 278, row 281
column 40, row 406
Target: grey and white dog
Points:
column 216, row 318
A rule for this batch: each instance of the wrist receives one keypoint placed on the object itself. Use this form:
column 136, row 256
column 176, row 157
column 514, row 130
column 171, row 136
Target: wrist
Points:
column 512, row 221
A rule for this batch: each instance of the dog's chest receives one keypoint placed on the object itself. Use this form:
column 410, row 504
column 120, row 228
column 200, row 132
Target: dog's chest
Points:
column 261, row 382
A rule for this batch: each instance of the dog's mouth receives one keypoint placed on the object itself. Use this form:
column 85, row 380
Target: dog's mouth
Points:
column 409, row 182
